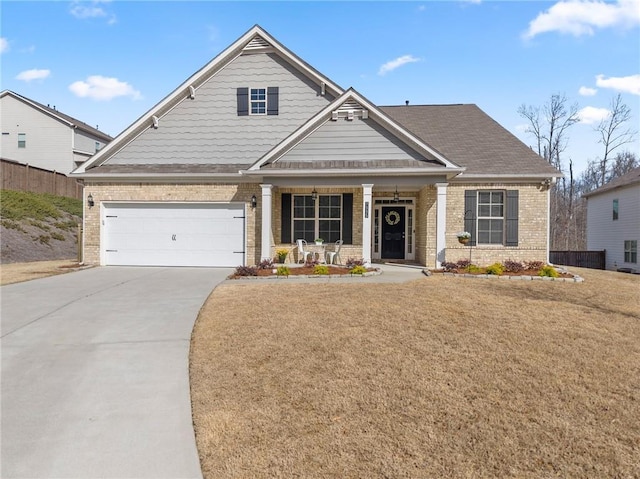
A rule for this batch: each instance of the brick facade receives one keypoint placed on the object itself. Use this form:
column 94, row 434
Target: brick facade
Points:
column 532, row 217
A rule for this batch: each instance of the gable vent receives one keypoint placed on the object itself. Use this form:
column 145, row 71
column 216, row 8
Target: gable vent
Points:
column 349, row 110
column 256, row 43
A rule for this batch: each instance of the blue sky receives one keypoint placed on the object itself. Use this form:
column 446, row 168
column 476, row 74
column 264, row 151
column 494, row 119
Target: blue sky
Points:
column 108, row 62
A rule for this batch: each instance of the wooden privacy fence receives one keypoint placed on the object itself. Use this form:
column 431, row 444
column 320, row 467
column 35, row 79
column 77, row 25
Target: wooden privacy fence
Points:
column 580, row 259
column 16, row 176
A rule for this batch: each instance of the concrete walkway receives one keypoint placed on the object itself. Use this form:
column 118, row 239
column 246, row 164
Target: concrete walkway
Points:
column 95, row 373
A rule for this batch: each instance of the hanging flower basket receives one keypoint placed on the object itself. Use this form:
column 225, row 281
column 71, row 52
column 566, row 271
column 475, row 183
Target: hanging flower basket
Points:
column 464, row 237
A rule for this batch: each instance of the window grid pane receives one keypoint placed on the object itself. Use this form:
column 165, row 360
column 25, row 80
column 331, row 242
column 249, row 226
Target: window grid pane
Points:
column 317, row 219
column 258, row 101
column 490, row 217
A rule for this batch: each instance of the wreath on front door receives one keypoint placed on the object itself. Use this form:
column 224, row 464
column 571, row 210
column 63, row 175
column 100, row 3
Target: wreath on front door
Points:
column 392, row 218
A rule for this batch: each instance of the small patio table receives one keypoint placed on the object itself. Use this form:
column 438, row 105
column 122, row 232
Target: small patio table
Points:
column 317, row 250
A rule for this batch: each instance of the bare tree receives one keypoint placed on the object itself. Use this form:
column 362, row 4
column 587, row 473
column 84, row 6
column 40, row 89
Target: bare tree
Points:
column 549, row 125
column 623, row 163
column 613, row 133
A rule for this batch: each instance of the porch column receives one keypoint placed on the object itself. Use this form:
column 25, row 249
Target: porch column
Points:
column 265, row 251
column 441, row 223
column 367, row 207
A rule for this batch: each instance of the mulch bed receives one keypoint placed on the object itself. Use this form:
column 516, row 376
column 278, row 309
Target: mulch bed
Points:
column 300, row 271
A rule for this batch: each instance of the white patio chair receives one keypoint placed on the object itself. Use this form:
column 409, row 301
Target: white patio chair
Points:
column 331, row 256
column 303, row 252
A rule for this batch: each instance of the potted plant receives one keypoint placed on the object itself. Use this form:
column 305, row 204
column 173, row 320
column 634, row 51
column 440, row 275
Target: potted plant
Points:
column 464, row 237
column 281, row 254
column 319, row 241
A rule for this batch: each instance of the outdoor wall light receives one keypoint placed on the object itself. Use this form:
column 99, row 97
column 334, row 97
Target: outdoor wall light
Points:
column 90, row 201
column 254, row 201
column 396, row 196
column 314, row 194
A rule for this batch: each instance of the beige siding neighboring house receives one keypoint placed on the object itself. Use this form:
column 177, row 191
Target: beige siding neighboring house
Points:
column 41, row 136
column 613, row 221
column 258, row 149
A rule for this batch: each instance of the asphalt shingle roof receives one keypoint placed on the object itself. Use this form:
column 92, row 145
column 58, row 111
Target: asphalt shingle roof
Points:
column 469, row 137
column 630, row 178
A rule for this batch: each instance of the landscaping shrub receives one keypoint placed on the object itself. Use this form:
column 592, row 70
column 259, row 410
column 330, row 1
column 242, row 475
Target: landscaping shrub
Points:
column 321, row 269
column 266, row 264
column 549, row 271
column 351, row 262
column 534, row 265
column 283, row 271
column 495, row 268
column 463, row 263
column 472, row 268
column 358, row 269
column 510, row 266
column 246, row 271
column 449, row 266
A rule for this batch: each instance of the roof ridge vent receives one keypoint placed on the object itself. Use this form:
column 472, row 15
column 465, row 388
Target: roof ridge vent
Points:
column 256, row 43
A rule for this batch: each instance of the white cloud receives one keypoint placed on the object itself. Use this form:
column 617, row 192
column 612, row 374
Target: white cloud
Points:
column 398, row 62
column 4, row 45
column 103, row 88
column 586, row 91
column 583, row 17
column 629, row 84
column 29, row 75
column 590, row 115
column 84, row 10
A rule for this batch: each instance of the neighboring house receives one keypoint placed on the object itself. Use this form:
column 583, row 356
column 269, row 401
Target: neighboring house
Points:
column 258, row 149
column 41, row 136
column 613, row 221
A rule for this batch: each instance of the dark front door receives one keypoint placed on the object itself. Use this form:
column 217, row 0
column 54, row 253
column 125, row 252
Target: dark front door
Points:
column 393, row 232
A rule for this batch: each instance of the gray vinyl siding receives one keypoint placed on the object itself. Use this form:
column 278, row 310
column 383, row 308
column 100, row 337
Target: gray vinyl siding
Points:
column 356, row 140
column 85, row 143
column 48, row 141
column 208, row 129
column 603, row 232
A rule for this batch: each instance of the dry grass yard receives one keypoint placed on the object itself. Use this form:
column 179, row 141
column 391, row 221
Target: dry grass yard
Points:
column 18, row 272
column 440, row 377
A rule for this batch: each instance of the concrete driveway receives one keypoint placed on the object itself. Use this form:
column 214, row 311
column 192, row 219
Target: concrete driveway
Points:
column 95, row 373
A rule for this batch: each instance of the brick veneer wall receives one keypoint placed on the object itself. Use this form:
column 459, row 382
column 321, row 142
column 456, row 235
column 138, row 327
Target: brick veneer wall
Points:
column 174, row 192
column 532, row 226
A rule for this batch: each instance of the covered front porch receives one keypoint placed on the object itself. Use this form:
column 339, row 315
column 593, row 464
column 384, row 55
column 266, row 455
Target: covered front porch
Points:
column 377, row 219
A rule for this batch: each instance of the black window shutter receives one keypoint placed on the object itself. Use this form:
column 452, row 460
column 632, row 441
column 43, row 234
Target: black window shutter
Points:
column 243, row 101
column 347, row 218
column 470, row 212
column 285, row 226
column 272, row 100
column 511, row 223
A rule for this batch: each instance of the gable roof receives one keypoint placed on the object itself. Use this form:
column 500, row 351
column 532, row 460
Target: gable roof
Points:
column 52, row 112
column 255, row 39
column 354, row 104
column 628, row 179
column 469, row 137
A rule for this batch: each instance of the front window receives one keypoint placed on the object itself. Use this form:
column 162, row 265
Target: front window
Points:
column 631, row 251
column 258, row 101
column 22, row 140
column 490, row 217
column 321, row 218
column 615, row 209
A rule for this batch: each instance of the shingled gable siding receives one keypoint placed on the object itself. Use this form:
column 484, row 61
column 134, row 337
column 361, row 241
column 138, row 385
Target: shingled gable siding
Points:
column 208, row 129
column 355, row 140
column 532, row 225
column 164, row 192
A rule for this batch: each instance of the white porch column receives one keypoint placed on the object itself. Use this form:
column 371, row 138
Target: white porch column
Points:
column 367, row 208
column 441, row 223
column 265, row 251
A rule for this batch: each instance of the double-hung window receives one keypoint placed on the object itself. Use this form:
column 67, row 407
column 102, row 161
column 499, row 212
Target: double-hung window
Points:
column 321, row 218
column 22, row 140
column 258, row 101
column 490, row 217
column 615, row 209
column 631, row 251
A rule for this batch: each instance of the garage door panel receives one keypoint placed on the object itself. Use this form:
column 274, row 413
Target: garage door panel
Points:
column 174, row 234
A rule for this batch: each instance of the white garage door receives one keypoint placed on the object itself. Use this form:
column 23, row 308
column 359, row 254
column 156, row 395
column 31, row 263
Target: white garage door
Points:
column 173, row 234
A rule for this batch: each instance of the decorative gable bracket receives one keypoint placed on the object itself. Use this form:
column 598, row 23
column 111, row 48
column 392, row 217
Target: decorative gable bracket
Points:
column 349, row 113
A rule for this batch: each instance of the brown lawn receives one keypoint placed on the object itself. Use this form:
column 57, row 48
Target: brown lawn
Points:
column 19, row 272
column 440, row 377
